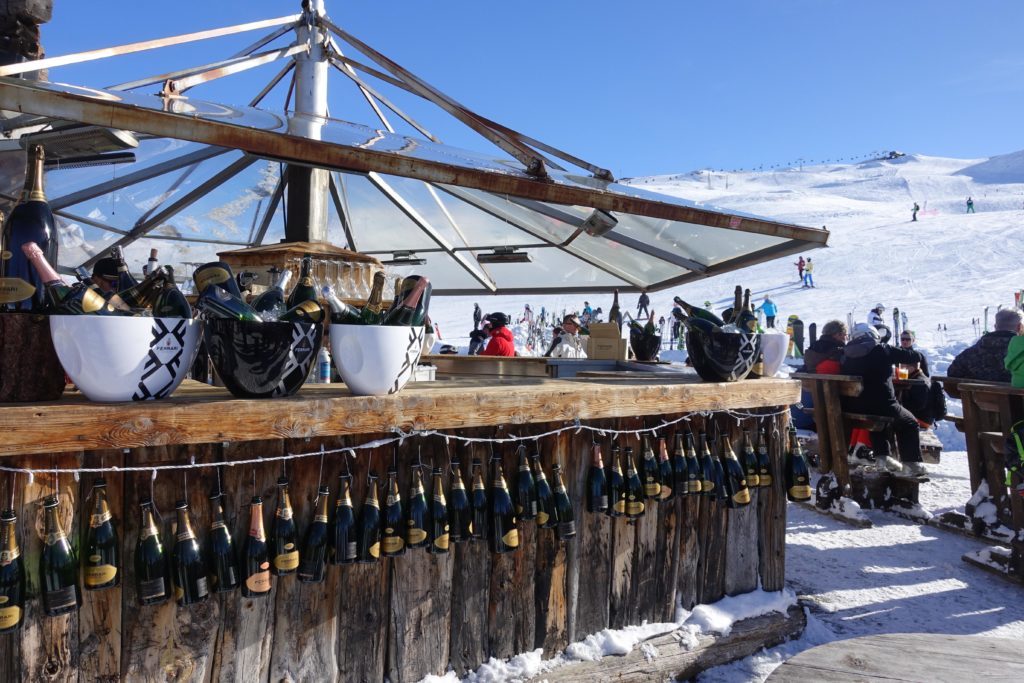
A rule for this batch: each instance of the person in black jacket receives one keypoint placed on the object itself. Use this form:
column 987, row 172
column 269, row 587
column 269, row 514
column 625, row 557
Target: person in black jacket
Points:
column 873, row 361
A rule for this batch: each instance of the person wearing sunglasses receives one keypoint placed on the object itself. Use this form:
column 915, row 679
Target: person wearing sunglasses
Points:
column 907, row 341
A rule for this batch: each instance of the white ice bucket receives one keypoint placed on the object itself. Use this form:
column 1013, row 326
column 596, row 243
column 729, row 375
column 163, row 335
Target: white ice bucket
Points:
column 375, row 360
column 773, row 350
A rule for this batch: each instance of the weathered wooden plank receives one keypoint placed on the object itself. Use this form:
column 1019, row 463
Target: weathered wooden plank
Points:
column 49, row 645
column 674, row 661
column 975, row 448
column 622, row 565
column 646, row 603
column 594, row 575
column 575, row 455
column 771, row 503
column 551, row 586
column 667, row 561
column 525, row 584
column 687, row 582
column 198, row 413
column 838, row 436
column 99, row 624
column 741, row 548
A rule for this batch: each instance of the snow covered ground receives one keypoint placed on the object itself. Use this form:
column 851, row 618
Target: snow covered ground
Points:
column 943, row 271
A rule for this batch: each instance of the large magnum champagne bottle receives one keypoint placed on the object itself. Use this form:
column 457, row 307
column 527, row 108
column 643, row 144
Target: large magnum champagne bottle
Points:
column 221, row 559
column 272, row 300
column 343, row 535
column 31, row 221
column 216, row 273
column 125, row 279
column 409, row 311
column 284, row 541
column 479, row 502
column 546, row 518
column 735, row 477
column 634, row 488
column 416, row 535
column 764, row 462
column 256, row 554
column 651, row 472
column 668, row 485
column 62, row 299
column 152, row 584
column 616, row 486
column 699, row 312
column 368, row 545
column 707, row 469
column 58, row 566
column 373, row 310
column 393, row 543
column 526, row 489
column 313, row 560
column 680, row 473
column 439, row 527
column 749, row 462
column 101, row 566
column 460, row 513
column 305, row 289
column 615, row 313
column 216, row 302
column 170, row 302
column 694, row 469
column 597, row 483
column 798, row 476
column 341, row 312
column 503, row 534
column 12, row 574
column 189, row 570
column 563, row 506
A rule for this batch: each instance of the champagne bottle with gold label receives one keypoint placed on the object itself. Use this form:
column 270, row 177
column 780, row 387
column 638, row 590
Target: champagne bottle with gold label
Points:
column 152, row 583
column 460, row 512
column 721, row 495
column 101, row 550
column 545, row 498
column 680, row 473
column 58, row 566
column 735, row 477
column 368, row 545
column 12, row 575
column 694, row 468
column 707, row 469
column 439, row 525
column 798, row 475
column 216, row 273
column 373, row 311
column 563, row 506
column 764, row 462
column 284, row 548
column 479, row 502
column 344, row 547
column 416, row 535
column 749, row 462
column 668, row 485
column 305, row 288
column 256, row 554
column 634, row 487
column 313, row 559
column 221, row 559
column 617, row 492
column 393, row 537
column 651, row 474
column 188, row 568
column 503, row 534
column 526, row 489
column 597, row 483
column 30, row 221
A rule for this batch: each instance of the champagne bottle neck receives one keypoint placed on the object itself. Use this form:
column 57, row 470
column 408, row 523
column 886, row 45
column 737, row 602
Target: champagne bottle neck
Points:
column 34, row 177
column 185, row 531
column 596, row 459
column 371, row 494
column 321, row 508
column 256, row 521
column 148, row 527
column 8, row 538
column 38, row 260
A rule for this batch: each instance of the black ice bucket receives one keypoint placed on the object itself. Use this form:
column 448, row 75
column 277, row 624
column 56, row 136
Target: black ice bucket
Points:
column 263, row 359
column 723, row 356
column 645, row 347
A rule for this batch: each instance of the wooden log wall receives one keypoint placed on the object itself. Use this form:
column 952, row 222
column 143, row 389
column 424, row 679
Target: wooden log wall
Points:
column 402, row 618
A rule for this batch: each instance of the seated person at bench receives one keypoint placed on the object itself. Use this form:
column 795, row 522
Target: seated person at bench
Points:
column 873, row 361
column 822, row 358
column 918, row 397
column 984, row 360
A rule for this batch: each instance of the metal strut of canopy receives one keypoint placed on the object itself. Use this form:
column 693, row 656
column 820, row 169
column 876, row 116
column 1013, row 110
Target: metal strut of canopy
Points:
column 582, row 230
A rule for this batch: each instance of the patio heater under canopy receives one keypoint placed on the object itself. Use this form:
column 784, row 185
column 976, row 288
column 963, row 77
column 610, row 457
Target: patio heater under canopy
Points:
column 526, row 219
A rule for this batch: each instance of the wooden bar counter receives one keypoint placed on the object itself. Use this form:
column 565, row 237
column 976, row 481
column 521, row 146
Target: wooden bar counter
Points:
column 400, row 618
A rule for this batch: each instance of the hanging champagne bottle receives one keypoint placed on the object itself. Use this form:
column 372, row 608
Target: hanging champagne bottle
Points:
column 58, row 566
column 272, row 300
column 616, row 485
column 634, row 488
column 373, row 310
column 221, row 559
column 651, row 472
column 563, row 506
column 341, row 312
column 152, row 584
column 479, row 501
column 694, row 469
column 721, row 494
column 764, row 462
column 256, row 554
column 668, row 485
column 305, row 288
column 416, row 525
column 749, row 462
column 597, row 483
column 545, row 498
column 393, row 543
column 503, row 534
column 680, row 472
column 735, row 477
column 707, row 469
column 101, row 566
column 31, row 221
column 188, row 568
column 410, row 311
column 798, row 476
column 699, row 313
column 216, row 273
column 343, row 535
column 460, row 513
column 170, row 302
column 526, row 489
column 12, row 574
column 284, row 537
column 313, row 558
column 368, row 543
column 125, row 279
column 439, row 527
column 60, row 298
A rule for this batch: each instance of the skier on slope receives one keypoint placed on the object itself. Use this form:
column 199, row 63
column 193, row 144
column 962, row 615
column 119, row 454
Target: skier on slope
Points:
column 875, row 316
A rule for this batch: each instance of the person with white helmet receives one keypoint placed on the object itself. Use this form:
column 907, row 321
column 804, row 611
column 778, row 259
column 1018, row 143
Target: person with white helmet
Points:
column 875, row 316
column 873, row 360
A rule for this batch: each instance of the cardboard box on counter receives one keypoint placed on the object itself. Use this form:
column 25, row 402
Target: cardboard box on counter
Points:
column 606, row 342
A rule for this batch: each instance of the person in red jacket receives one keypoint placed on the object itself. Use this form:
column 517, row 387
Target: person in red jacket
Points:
column 500, row 343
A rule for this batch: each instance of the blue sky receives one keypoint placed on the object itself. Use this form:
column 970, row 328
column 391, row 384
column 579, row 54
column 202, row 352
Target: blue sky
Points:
column 647, row 87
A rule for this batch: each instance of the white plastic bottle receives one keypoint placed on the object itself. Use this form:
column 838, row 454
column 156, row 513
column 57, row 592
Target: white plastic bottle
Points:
column 323, row 366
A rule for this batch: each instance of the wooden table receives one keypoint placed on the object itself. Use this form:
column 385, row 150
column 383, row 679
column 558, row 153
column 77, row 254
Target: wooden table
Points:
column 919, row 657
